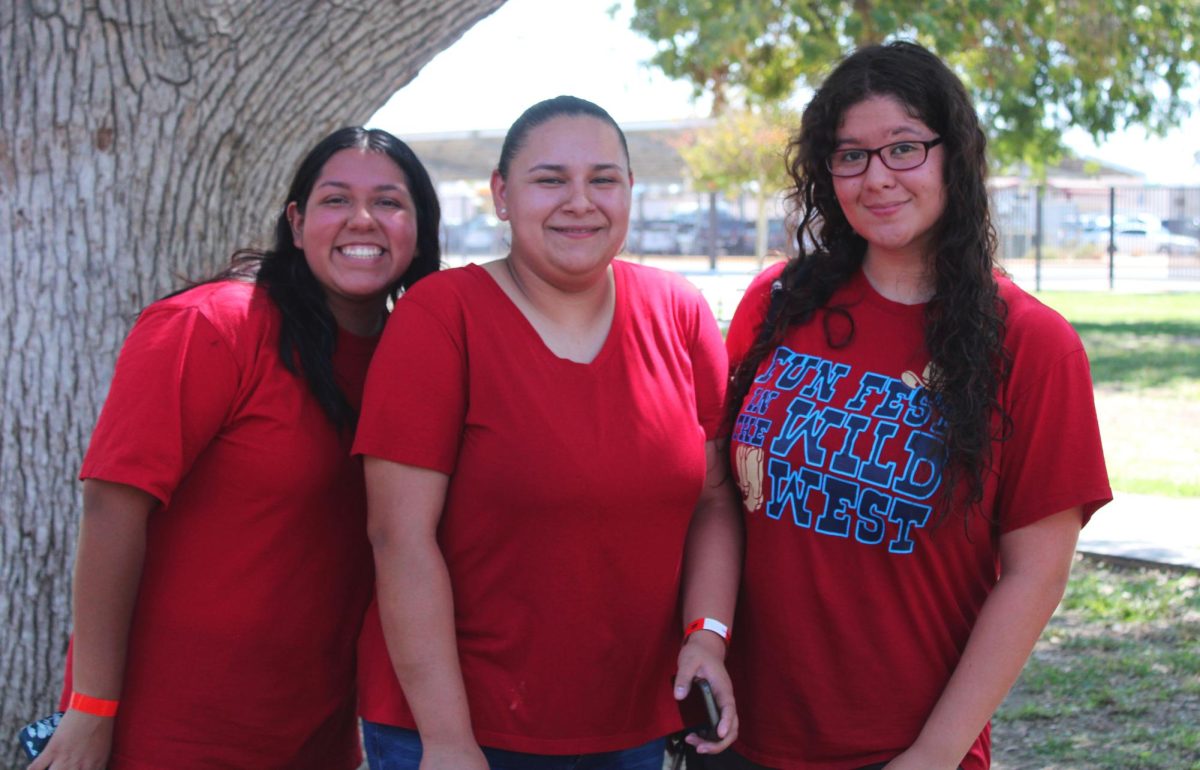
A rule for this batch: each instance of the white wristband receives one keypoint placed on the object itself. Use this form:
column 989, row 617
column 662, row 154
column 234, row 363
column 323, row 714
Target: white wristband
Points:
column 707, row 624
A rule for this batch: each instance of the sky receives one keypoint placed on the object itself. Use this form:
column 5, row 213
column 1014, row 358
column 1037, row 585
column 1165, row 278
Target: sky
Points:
column 529, row 50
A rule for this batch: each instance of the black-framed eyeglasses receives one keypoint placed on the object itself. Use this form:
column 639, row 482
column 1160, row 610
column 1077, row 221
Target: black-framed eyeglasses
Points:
column 898, row 156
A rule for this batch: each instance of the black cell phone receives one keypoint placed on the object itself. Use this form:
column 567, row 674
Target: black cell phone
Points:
column 35, row 735
column 710, row 706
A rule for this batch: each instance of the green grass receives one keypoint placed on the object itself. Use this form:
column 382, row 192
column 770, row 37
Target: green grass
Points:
column 1147, row 342
column 1114, row 683
column 1145, row 356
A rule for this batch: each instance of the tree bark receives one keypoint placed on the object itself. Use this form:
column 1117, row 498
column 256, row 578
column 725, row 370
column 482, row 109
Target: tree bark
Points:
column 141, row 142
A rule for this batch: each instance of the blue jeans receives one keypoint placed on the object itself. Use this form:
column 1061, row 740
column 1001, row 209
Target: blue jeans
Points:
column 395, row 748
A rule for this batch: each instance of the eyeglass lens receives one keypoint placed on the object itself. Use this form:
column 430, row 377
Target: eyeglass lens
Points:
column 899, row 156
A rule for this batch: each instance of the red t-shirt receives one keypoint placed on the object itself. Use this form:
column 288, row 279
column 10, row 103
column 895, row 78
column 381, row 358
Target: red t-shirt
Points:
column 571, row 489
column 856, row 604
column 257, row 570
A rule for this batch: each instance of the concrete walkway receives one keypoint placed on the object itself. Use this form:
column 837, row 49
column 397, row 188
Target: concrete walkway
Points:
column 1148, row 528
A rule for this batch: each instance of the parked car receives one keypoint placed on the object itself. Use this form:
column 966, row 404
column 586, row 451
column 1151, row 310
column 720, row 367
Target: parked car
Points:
column 652, row 236
column 734, row 235
column 1137, row 234
column 481, row 234
column 1184, row 226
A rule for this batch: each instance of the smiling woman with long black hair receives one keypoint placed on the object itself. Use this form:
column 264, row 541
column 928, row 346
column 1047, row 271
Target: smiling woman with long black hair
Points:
column 223, row 566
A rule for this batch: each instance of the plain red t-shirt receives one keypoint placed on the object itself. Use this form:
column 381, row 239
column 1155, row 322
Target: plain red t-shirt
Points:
column 571, row 489
column 258, row 569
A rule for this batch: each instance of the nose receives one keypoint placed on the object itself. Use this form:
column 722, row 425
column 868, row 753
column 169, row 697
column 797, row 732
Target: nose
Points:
column 876, row 173
column 360, row 216
column 579, row 198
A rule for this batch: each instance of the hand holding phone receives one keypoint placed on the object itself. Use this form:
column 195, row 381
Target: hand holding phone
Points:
column 710, row 708
column 35, row 735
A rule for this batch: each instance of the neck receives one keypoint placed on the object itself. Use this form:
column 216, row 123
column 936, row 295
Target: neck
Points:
column 360, row 319
column 572, row 322
column 907, row 281
column 576, row 304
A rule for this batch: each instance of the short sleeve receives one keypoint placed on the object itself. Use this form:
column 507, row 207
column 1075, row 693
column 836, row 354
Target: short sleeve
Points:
column 1052, row 459
column 174, row 383
column 710, row 367
column 414, row 403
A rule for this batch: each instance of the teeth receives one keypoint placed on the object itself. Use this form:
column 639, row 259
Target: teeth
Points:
column 361, row 252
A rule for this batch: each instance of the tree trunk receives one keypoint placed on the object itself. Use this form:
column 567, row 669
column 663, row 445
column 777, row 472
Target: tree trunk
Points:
column 142, row 141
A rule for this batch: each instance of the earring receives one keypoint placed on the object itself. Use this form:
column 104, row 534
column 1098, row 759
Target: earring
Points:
column 502, row 211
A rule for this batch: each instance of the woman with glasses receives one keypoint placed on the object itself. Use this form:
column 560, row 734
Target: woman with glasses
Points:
column 914, row 438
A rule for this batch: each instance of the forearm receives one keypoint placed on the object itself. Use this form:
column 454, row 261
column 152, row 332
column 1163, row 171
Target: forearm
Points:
column 1009, row 624
column 1035, row 567
column 417, row 611
column 108, row 571
column 712, row 563
column 711, row 572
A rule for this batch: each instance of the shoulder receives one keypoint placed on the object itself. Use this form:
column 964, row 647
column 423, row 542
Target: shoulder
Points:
column 444, row 303
column 652, row 281
column 1031, row 324
column 1044, row 348
column 650, row 291
column 235, row 310
column 216, row 300
column 449, row 286
column 751, row 311
column 758, row 293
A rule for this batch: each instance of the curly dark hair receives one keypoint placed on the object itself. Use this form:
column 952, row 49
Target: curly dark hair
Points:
column 965, row 318
column 308, row 331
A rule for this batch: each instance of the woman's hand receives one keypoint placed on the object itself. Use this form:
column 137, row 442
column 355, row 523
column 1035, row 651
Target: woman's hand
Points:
column 457, row 756
column 703, row 657
column 80, row 742
column 909, row 760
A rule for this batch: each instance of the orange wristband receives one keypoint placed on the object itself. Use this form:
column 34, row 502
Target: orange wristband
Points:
column 708, row 624
column 94, row 706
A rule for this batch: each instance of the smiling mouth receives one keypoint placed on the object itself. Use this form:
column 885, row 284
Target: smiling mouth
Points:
column 576, row 232
column 361, row 252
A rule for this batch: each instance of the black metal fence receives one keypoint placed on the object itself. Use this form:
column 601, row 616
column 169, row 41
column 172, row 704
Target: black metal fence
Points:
column 1084, row 236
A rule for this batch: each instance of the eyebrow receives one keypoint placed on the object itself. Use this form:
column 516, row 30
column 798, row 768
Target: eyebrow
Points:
column 838, row 142
column 562, row 169
column 346, row 186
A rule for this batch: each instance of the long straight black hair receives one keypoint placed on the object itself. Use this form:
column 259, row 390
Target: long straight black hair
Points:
column 308, row 332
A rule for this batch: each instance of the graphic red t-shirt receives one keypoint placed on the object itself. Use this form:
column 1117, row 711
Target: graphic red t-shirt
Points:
column 856, row 603
column 571, row 489
column 257, row 570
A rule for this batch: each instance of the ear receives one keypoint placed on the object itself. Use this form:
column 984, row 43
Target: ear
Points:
column 499, row 195
column 296, row 220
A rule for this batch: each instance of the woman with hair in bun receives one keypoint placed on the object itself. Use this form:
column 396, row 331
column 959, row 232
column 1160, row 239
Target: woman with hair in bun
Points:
column 543, row 480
